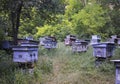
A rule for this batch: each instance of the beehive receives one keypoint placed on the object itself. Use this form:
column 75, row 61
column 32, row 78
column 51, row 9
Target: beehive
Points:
column 103, row 50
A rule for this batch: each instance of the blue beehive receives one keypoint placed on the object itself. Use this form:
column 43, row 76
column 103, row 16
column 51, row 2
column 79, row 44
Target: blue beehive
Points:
column 26, row 52
column 69, row 40
column 103, row 50
column 54, row 44
column 79, row 46
column 117, row 64
column 50, row 43
column 29, row 43
column 42, row 41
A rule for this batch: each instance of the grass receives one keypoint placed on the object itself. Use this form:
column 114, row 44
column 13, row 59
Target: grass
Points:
column 59, row 66
column 79, row 68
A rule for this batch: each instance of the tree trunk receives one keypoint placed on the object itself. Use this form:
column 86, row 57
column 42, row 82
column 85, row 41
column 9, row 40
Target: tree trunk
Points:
column 13, row 26
column 15, row 18
column 84, row 2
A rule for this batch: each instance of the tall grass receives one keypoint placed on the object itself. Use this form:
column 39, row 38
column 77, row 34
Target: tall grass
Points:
column 59, row 66
column 77, row 68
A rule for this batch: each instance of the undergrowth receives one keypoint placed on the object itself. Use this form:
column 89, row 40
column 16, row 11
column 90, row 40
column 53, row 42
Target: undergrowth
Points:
column 59, row 66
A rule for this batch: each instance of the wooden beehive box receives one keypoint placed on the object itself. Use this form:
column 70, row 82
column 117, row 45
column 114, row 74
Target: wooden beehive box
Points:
column 27, row 51
column 79, row 46
column 50, row 43
column 24, row 54
column 103, row 50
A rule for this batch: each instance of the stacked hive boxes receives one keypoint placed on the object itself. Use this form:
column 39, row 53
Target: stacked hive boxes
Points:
column 26, row 52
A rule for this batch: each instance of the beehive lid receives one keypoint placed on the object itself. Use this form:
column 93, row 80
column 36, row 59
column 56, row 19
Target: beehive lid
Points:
column 24, row 48
column 103, row 44
column 84, row 42
column 117, row 61
column 28, row 44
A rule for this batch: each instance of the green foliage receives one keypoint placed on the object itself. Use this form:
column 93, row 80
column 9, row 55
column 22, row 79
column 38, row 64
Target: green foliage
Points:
column 29, row 24
column 4, row 26
column 92, row 16
column 46, row 66
column 72, row 7
column 26, row 78
column 115, row 21
column 59, row 30
column 89, row 20
column 107, row 67
column 81, row 17
column 2, row 36
column 29, row 14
